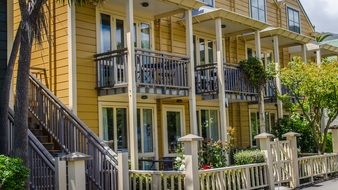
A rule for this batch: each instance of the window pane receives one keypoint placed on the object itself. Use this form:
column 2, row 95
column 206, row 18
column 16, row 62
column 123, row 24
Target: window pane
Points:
column 135, row 35
column 202, row 52
column 208, row 2
column 205, row 123
column 294, row 22
column 254, row 13
column 122, row 132
column 261, row 4
column 254, row 127
column 108, row 124
column 119, row 34
column 105, row 33
column 148, row 130
column 261, row 15
column 145, row 36
column 214, row 125
column 139, row 132
column 173, row 130
column 254, row 3
column 211, row 52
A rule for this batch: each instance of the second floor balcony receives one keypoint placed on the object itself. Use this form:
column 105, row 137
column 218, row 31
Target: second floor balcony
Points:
column 237, row 87
column 155, row 72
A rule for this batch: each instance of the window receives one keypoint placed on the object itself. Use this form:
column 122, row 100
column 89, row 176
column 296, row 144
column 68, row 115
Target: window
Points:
column 208, row 2
column 113, row 34
column 208, row 124
column 270, row 119
column 258, row 10
column 293, row 20
column 115, row 127
column 145, row 130
column 105, row 33
column 173, row 120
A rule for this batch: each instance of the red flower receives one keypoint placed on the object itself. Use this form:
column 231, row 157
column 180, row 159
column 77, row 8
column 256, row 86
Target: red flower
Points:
column 206, row 167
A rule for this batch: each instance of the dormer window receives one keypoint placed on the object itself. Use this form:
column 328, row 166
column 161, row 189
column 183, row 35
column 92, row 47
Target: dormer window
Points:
column 258, row 10
column 293, row 20
column 209, row 3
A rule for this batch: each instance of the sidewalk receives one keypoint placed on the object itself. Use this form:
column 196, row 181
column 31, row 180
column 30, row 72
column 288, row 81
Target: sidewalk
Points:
column 327, row 185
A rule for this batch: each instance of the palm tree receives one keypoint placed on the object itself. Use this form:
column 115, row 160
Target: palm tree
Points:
column 32, row 27
column 320, row 38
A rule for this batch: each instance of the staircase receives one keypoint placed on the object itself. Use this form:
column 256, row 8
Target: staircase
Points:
column 55, row 131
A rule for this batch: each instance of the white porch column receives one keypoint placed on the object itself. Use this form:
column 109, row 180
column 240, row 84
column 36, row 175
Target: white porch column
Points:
column 318, row 57
column 221, row 80
column 132, row 86
column 304, row 53
column 261, row 91
column 278, row 82
column 191, row 72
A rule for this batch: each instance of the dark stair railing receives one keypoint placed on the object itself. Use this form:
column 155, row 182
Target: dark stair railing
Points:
column 72, row 135
column 41, row 163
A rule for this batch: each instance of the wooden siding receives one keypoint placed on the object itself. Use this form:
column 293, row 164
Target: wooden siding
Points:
column 87, row 99
column 239, row 121
column 52, row 55
column 3, row 33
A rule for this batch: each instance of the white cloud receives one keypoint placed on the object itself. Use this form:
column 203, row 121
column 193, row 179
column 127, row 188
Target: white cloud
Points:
column 323, row 14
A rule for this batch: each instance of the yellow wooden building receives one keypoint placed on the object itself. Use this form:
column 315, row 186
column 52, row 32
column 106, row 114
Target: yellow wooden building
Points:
column 143, row 73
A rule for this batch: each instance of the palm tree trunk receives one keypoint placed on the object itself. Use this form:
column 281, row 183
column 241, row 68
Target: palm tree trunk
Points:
column 5, row 87
column 20, row 130
column 261, row 107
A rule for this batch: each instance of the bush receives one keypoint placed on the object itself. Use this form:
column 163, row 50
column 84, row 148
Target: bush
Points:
column 13, row 173
column 249, row 157
column 213, row 154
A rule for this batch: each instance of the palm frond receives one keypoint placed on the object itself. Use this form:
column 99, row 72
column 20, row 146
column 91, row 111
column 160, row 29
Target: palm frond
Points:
column 322, row 37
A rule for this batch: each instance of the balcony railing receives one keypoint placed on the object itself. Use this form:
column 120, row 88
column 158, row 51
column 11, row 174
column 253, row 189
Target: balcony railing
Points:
column 235, row 81
column 153, row 69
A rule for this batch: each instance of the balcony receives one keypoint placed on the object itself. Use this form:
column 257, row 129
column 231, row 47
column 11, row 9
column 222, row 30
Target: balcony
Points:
column 156, row 72
column 236, row 85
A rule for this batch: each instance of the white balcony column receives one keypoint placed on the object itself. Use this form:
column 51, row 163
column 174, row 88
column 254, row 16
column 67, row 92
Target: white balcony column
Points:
column 261, row 91
column 221, row 80
column 132, row 86
column 304, row 53
column 278, row 82
column 191, row 72
column 318, row 57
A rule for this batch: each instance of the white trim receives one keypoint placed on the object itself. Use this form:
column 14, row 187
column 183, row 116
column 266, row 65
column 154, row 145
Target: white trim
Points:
column 206, row 108
column 287, row 17
column 175, row 108
column 72, row 58
column 265, row 10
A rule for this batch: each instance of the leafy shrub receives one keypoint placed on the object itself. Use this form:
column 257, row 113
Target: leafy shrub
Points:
column 213, row 154
column 13, row 173
column 249, row 157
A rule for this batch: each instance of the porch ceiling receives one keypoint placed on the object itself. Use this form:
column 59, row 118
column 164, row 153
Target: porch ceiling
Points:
column 286, row 37
column 235, row 23
column 155, row 7
column 326, row 50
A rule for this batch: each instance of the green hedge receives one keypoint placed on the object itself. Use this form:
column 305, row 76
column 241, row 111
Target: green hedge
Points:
column 13, row 173
column 249, row 157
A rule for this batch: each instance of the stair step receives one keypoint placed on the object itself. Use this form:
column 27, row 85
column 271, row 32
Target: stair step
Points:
column 48, row 146
column 37, row 132
column 43, row 139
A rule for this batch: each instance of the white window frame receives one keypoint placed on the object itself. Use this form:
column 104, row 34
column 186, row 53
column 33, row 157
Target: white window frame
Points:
column 257, row 113
column 115, row 105
column 197, row 46
column 287, row 7
column 218, row 120
column 148, row 154
column 165, row 109
column 113, row 18
column 265, row 10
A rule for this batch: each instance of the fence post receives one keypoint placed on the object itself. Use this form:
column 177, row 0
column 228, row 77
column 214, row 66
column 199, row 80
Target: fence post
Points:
column 334, row 130
column 191, row 180
column 60, row 174
column 76, row 170
column 264, row 144
column 292, row 138
column 123, row 171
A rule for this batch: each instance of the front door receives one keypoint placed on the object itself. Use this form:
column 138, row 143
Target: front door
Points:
column 173, row 120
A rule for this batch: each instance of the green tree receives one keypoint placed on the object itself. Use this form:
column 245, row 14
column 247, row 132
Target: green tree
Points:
column 313, row 90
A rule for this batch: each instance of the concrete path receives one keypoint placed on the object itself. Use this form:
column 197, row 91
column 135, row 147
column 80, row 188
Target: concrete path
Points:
column 327, row 185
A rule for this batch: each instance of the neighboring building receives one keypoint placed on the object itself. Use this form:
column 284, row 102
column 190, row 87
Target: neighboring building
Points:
column 180, row 53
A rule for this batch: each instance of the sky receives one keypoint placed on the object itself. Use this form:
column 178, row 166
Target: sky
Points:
column 323, row 14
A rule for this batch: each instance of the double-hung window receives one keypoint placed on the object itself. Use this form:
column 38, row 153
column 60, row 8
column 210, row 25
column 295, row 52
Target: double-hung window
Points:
column 293, row 20
column 258, row 10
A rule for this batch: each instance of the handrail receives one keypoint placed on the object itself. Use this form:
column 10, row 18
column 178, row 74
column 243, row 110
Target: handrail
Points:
column 73, row 135
column 162, row 53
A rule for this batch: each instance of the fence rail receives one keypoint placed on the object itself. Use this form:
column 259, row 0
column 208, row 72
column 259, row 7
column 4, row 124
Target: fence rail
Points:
column 156, row 180
column 41, row 163
column 317, row 166
column 73, row 135
column 252, row 176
